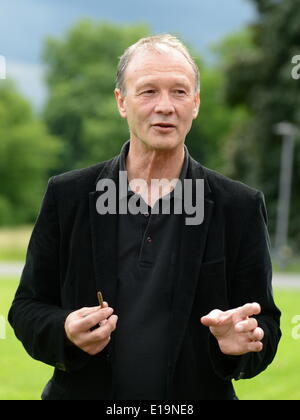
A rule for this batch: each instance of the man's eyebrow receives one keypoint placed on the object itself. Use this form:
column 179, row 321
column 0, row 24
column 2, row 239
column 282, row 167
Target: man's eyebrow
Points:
column 152, row 83
column 182, row 84
column 144, row 84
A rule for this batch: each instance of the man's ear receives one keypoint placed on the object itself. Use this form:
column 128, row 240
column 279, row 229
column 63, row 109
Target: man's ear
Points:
column 121, row 103
column 197, row 105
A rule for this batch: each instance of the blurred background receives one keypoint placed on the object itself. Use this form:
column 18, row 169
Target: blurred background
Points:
column 58, row 62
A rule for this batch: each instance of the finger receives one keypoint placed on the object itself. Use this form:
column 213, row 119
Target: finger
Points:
column 257, row 335
column 246, row 326
column 103, row 322
column 113, row 320
column 104, row 331
column 93, row 349
column 212, row 319
column 104, row 305
column 247, row 310
column 255, row 347
column 217, row 318
column 83, row 312
column 111, row 323
column 94, row 318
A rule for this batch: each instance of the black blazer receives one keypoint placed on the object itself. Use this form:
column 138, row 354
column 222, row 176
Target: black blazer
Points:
column 224, row 263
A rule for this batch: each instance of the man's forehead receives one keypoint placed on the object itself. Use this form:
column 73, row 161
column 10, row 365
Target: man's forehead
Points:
column 147, row 64
column 151, row 56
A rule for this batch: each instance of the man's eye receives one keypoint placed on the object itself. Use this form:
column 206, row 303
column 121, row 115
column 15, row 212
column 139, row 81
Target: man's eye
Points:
column 148, row 92
column 180, row 92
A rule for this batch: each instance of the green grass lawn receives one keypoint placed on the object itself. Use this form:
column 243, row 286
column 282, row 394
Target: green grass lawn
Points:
column 14, row 242
column 281, row 380
column 23, row 378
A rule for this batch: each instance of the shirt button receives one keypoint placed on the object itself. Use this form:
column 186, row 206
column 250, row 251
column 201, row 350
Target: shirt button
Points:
column 60, row 366
column 241, row 375
column 149, row 239
column 146, row 214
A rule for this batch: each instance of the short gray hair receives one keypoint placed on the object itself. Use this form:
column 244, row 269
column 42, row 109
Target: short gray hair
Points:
column 153, row 42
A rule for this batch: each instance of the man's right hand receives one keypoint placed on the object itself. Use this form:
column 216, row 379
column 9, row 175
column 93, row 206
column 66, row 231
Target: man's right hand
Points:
column 78, row 327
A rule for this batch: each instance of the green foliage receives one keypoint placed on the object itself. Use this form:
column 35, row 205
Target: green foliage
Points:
column 208, row 137
column 259, row 79
column 26, row 154
column 81, row 80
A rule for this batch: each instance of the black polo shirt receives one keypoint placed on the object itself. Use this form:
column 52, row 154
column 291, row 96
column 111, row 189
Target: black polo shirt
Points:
column 148, row 246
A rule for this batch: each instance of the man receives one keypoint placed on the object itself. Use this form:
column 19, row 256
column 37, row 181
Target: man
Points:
column 188, row 307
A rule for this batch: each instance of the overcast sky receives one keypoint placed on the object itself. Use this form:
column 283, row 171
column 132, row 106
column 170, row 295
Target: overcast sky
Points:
column 25, row 23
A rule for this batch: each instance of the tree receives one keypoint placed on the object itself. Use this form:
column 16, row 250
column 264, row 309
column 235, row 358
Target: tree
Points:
column 81, row 79
column 259, row 79
column 27, row 152
column 208, row 137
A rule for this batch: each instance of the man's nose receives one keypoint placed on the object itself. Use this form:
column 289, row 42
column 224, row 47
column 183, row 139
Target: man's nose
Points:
column 164, row 104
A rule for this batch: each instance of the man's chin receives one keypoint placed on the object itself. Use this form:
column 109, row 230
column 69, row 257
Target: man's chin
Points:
column 163, row 143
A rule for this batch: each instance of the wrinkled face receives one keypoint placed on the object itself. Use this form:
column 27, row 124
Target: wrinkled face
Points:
column 161, row 100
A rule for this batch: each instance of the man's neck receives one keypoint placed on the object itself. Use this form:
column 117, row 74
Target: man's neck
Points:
column 149, row 164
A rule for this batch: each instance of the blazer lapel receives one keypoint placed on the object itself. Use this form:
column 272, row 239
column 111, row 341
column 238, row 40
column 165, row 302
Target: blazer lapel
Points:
column 192, row 249
column 104, row 239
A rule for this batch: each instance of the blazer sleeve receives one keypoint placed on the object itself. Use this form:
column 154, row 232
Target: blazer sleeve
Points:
column 36, row 314
column 252, row 282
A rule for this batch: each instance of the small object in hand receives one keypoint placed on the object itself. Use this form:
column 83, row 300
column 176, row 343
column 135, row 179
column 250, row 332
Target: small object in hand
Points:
column 100, row 299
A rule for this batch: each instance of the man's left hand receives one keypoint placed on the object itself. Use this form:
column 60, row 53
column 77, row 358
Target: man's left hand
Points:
column 237, row 333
